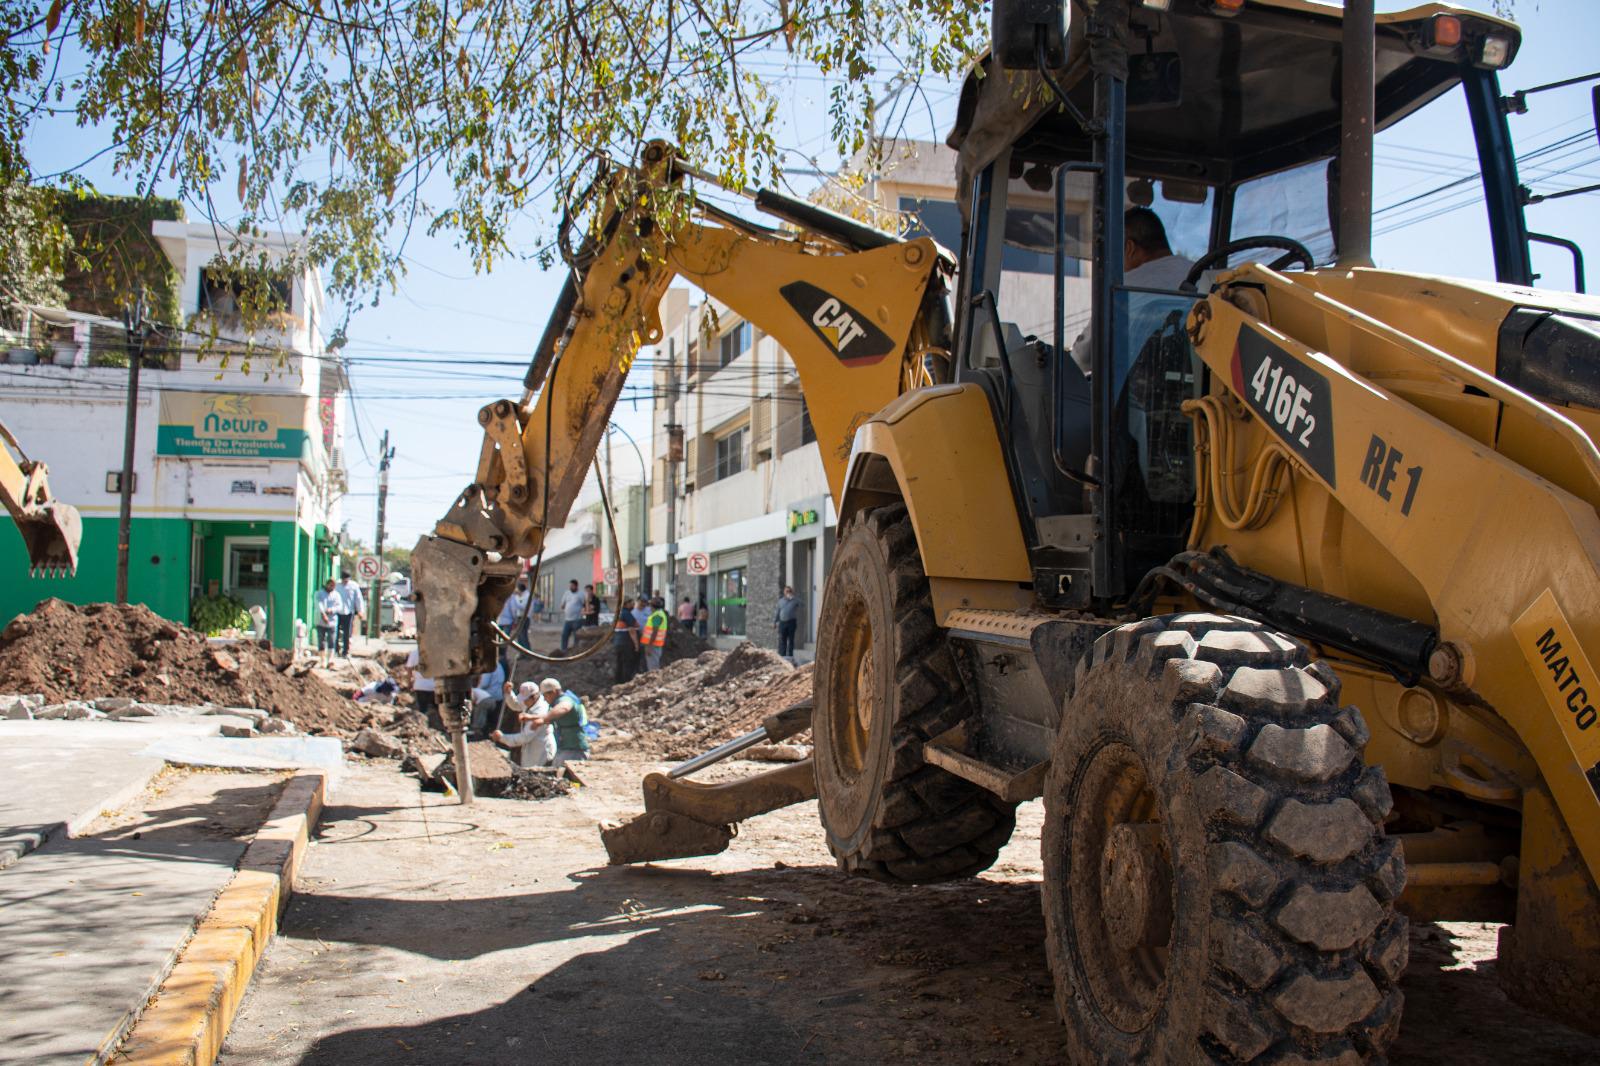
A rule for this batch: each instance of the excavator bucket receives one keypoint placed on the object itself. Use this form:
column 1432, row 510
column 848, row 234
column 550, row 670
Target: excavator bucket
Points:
column 50, row 530
column 52, row 534
column 684, row 818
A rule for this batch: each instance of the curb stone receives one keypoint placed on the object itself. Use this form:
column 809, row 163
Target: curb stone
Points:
column 187, row 1019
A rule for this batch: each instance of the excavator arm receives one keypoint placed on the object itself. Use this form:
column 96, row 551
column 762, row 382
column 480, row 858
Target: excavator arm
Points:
column 51, row 530
column 861, row 314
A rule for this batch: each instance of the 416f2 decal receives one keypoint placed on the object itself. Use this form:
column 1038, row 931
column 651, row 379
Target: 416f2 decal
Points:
column 1289, row 396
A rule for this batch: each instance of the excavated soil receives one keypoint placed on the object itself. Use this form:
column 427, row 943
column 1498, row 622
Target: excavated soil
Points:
column 596, row 673
column 67, row 652
column 695, row 704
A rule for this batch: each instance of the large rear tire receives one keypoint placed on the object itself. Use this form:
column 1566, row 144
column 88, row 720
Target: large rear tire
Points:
column 885, row 684
column 1217, row 887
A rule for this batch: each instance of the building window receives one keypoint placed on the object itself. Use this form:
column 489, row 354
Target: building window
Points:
column 220, row 295
column 730, row 454
column 729, row 608
column 734, row 343
column 808, row 432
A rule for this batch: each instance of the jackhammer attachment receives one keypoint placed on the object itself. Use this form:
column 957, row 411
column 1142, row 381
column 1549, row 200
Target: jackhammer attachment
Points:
column 685, row 818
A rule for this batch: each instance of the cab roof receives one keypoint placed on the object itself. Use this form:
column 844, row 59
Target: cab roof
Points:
column 1258, row 91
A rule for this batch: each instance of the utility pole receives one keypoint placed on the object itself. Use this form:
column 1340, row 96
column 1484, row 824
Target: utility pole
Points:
column 133, row 329
column 610, row 552
column 669, row 590
column 375, row 601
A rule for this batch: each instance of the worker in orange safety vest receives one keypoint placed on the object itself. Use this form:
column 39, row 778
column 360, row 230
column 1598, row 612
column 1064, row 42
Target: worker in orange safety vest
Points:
column 655, row 634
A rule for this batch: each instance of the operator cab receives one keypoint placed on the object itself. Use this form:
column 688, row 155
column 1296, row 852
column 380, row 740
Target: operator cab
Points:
column 1227, row 128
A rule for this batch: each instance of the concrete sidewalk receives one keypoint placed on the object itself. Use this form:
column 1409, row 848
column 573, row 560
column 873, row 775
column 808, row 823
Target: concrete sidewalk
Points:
column 91, row 926
column 88, row 929
column 56, row 777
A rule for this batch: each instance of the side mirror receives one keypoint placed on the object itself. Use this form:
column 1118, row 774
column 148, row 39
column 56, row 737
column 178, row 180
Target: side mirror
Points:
column 1017, row 26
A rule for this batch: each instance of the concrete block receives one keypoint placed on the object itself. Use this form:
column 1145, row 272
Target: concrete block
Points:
column 114, row 703
column 16, row 711
column 378, row 745
column 237, row 729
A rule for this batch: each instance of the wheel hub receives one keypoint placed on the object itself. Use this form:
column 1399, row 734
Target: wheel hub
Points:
column 1136, row 886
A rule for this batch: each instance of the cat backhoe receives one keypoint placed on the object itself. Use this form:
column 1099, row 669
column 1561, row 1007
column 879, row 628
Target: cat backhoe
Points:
column 1276, row 583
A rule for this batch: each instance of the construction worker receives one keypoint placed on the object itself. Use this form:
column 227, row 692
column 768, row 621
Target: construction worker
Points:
column 655, row 634
column 566, row 713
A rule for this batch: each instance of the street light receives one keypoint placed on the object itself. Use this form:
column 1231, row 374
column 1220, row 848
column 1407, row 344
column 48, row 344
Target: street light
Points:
column 644, row 481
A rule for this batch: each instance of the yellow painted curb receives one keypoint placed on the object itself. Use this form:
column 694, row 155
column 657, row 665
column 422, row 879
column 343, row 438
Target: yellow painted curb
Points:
column 185, row 1022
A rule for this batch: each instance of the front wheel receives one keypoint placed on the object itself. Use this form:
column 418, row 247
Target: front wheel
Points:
column 1217, row 887
column 885, row 684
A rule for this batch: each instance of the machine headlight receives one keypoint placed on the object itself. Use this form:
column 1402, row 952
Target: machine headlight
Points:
column 1496, row 51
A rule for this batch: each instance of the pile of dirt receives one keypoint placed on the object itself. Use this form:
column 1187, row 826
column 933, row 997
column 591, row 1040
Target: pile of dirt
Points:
column 597, row 673
column 72, row 652
column 695, row 704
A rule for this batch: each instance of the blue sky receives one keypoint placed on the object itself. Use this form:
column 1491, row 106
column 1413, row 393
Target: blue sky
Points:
column 481, row 327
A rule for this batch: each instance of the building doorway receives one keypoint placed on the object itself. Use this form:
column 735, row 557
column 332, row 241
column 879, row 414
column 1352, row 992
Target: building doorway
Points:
column 803, row 579
column 245, row 573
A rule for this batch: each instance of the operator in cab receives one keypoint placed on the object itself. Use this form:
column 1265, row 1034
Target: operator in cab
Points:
column 1148, row 262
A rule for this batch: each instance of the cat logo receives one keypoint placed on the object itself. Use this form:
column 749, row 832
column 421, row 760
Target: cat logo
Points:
column 848, row 333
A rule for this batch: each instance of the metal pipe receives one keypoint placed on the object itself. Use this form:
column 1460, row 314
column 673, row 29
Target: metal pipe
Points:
column 720, row 752
column 1356, row 125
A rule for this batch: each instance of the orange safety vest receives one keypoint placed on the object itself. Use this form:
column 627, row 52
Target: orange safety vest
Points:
column 655, row 630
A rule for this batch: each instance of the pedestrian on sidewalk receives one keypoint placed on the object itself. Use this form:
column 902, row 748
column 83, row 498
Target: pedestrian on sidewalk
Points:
column 787, row 619
column 571, row 613
column 686, row 614
column 535, row 745
column 423, row 689
column 655, row 634
column 591, row 606
column 352, row 605
column 329, row 604
column 702, row 617
column 566, row 713
column 625, row 644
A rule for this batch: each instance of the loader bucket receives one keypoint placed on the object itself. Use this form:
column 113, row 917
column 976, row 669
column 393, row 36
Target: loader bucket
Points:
column 52, row 534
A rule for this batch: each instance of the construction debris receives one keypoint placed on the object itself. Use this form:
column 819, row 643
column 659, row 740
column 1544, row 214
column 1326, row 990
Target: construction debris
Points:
column 378, row 745
column 70, row 654
column 598, row 672
column 695, row 704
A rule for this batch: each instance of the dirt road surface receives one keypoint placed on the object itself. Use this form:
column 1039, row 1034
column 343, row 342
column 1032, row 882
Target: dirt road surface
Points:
column 433, row 934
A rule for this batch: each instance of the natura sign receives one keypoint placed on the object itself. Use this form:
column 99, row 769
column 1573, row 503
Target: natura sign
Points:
column 232, row 425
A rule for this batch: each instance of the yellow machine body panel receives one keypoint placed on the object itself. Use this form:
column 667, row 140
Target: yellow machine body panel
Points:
column 1406, row 506
column 941, row 447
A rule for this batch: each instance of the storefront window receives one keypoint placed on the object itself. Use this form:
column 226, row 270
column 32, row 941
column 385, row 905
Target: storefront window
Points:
column 728, row 609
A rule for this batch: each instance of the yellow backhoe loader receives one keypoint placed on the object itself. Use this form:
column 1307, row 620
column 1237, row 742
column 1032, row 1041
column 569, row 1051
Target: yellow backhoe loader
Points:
column 51, row 530
column 1275, row 577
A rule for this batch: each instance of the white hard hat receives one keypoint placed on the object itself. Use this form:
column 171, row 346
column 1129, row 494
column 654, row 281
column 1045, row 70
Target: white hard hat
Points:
column 527, row 689
column 550, row 684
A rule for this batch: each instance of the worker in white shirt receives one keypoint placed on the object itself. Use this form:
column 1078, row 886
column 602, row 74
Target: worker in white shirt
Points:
column 514, row 623
column 422, row 690
column 535, row 745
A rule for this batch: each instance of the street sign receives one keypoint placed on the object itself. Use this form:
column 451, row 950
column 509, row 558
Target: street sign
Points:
column 699, row 563
column 612, row 575
column 369, row 568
